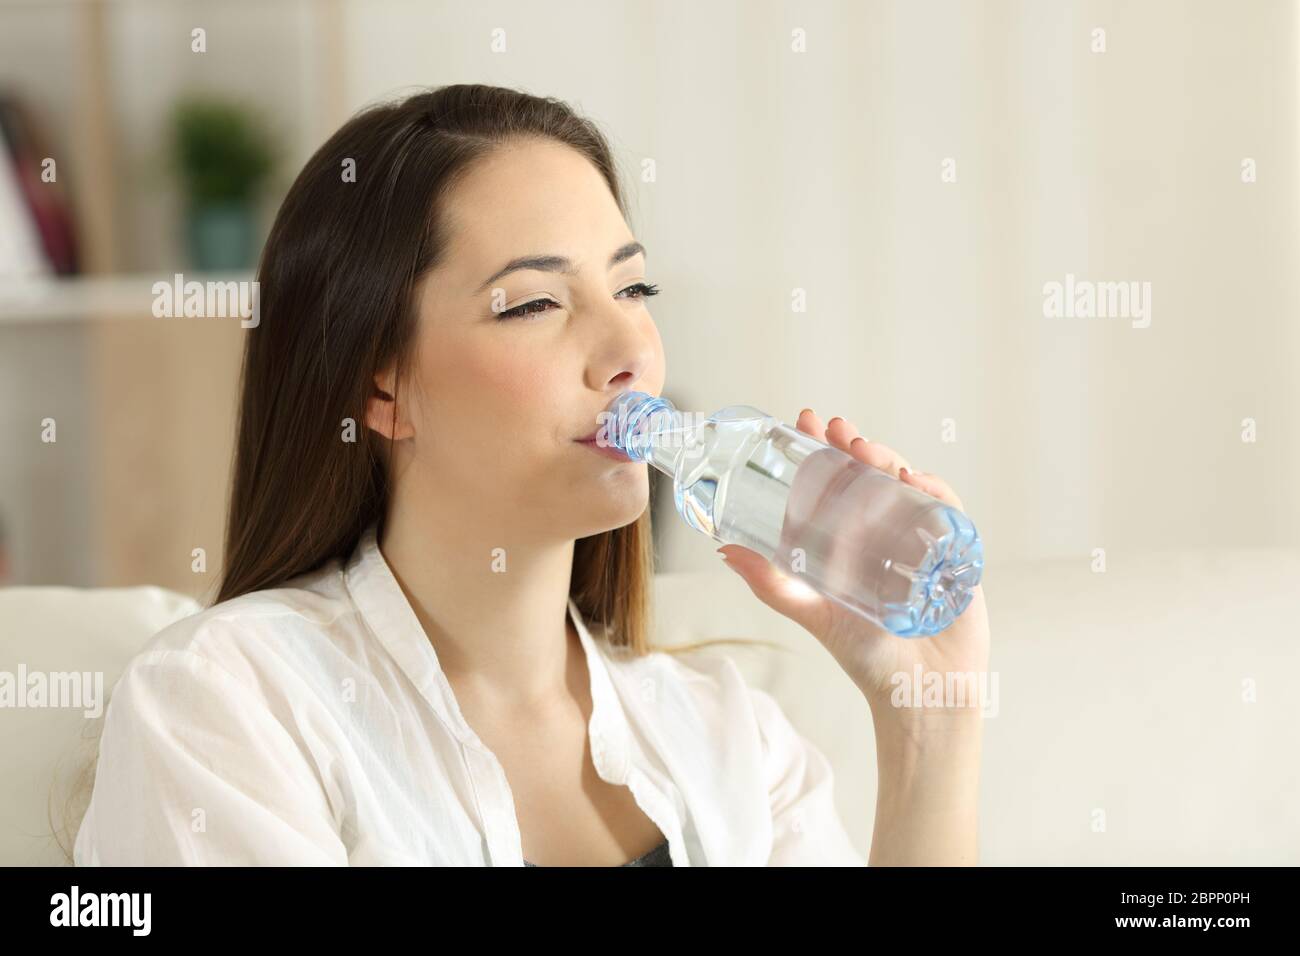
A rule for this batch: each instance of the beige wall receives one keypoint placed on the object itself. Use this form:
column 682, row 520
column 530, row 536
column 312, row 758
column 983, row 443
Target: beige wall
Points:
column 819, row 170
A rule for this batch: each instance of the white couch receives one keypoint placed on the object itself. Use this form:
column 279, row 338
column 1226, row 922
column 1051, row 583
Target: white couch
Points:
column 45, row 750
column 1124, row 733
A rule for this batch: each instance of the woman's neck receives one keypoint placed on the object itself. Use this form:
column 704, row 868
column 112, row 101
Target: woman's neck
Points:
column 492, row 603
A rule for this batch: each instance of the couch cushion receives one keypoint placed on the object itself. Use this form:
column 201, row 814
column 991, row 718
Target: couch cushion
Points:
column 45, row 750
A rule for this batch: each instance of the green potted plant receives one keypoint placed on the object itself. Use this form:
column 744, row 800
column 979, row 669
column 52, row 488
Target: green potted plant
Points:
column 223, row 156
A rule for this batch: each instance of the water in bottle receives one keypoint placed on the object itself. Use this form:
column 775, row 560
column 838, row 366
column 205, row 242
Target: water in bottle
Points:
column 899, row 557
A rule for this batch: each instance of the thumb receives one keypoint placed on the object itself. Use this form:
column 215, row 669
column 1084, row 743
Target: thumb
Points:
column 783, row 593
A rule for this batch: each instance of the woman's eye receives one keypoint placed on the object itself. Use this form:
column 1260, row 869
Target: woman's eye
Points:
column 641, row 290
column 638, row 290
column 528, row 308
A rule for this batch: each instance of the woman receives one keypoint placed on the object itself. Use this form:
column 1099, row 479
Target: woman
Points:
column 430, row 641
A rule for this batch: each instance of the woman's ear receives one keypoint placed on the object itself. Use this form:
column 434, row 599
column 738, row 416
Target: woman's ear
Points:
column 383, row 414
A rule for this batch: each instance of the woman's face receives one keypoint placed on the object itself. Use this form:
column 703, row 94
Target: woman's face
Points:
column 502, row 398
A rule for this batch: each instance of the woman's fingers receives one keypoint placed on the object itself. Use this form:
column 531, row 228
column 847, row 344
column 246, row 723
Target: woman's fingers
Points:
column 783, row 593
column 843, row 434
column 810, row 423
column 840, row 432
column 878, row 455
column 934, row 486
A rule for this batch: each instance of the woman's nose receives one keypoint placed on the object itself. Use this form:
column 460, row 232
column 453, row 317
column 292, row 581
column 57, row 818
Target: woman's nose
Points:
column 623, row 352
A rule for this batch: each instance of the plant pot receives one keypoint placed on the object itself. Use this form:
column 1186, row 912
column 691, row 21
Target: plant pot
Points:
column 221, row 236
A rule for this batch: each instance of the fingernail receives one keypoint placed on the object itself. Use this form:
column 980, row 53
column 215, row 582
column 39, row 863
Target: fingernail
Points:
column 837, row 418
column 903, row 473
column 808, row 410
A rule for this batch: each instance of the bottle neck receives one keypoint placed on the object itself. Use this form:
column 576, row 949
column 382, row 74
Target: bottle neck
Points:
column 667, row 435
column 647, row 428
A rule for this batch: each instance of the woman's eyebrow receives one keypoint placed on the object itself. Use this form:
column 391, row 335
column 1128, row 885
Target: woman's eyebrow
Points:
column 558, row 263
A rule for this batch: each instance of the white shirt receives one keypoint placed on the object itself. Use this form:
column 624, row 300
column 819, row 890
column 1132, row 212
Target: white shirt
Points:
column 311, row 724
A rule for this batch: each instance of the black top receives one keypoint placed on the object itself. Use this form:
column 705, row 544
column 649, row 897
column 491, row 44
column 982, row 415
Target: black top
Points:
column 656, row 857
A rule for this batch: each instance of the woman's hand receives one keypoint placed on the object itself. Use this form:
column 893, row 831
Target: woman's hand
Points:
column 869, row 654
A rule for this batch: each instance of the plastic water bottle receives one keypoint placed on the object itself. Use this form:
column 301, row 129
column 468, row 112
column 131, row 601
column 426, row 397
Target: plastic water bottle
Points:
column 899, row 557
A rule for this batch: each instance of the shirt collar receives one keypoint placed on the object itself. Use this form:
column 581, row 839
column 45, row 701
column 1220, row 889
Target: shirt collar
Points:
column 392, row 620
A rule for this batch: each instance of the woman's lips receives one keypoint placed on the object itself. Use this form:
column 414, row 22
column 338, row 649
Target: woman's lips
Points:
column 602, row 447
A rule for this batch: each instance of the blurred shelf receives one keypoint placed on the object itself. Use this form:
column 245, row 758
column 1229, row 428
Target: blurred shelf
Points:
column 88, row 298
